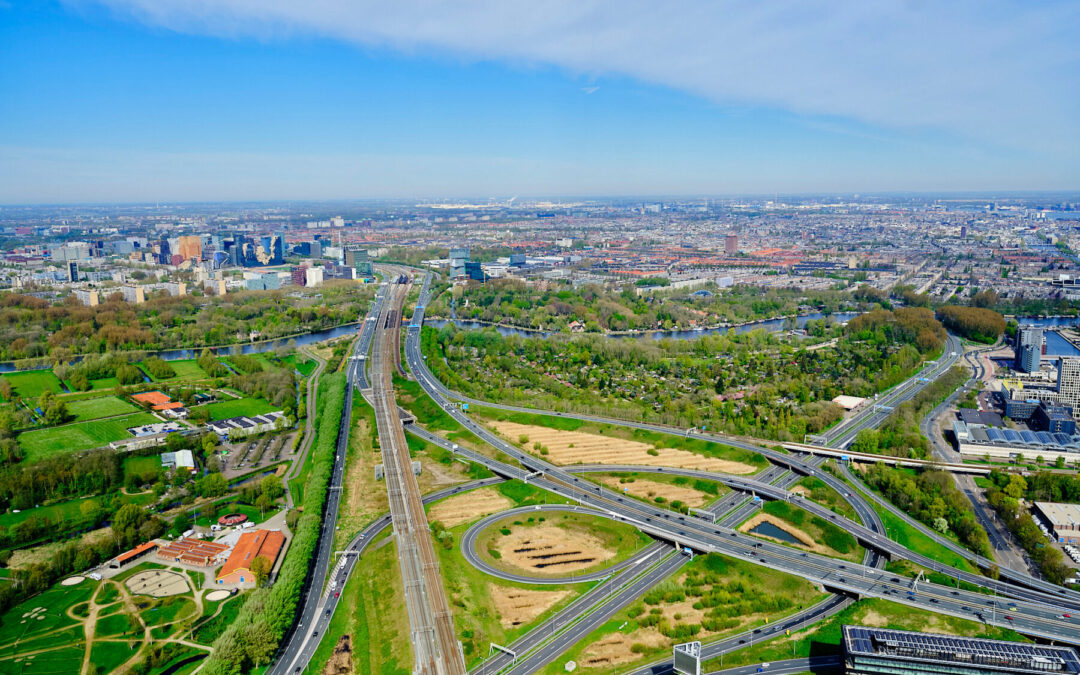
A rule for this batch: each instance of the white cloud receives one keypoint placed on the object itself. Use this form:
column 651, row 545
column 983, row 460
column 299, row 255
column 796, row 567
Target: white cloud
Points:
column 999, row 71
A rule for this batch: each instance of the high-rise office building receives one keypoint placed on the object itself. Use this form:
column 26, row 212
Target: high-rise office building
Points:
column 164, row 252
column 474, row 271
column 190, row 247
column 72, row 271
column 299, row 276
column 458, row 258
column 1068, row 386
column 1029, row 349
column 731, row 244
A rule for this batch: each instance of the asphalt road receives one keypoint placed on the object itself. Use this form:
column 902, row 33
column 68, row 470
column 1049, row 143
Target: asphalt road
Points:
column 296, row 641
column 1036, row 619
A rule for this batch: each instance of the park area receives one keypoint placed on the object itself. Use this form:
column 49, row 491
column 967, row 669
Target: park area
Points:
column 80, row 435
column 146, row 614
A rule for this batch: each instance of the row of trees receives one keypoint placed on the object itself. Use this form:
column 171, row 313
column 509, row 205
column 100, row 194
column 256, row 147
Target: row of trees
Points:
column 900, row 435
column 268, row 613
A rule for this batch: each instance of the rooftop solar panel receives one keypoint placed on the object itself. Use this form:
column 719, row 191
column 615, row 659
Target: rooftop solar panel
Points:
column 924, row 647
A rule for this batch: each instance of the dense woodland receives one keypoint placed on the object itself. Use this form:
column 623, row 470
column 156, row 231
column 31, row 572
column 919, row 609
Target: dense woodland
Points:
column 932, row 497
column 975, row 323
column 755, row 383
column 31, row 327
column 553, row 307
column 1005, row 497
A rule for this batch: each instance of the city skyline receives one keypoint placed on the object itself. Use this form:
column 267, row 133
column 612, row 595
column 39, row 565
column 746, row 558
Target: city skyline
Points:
column 125, row 101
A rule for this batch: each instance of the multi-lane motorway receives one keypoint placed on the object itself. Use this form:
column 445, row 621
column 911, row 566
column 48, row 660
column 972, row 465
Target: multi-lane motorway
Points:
column 1038, row 607
column 1037, row 617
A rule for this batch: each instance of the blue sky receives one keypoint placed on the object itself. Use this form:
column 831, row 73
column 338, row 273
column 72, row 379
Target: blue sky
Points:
column 169, row 100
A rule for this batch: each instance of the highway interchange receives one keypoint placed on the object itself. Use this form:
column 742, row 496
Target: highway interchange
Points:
column 1037, row 609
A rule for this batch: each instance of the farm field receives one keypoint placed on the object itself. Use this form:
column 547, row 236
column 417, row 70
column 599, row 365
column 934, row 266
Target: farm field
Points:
column 31, row 383
column 237, row 407
column 79, row 436
column 102, row 406
column 575, row 447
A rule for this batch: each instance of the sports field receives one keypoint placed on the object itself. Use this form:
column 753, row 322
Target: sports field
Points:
column 30, row 383
column 96, row 408
column 186, row 369
column 237, row 407
column 80, row 436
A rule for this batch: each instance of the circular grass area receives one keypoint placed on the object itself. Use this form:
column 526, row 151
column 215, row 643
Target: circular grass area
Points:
column 558, row 544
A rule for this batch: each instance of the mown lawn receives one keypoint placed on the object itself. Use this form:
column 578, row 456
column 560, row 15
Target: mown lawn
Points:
column 186, row 369
column 31, row 383
column 96, row 408
column 237, row 407
column 79, row 436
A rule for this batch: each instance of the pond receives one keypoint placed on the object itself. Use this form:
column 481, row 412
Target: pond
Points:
column 767, row 529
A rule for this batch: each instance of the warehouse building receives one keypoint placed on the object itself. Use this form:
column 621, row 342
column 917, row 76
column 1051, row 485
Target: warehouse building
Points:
column 1064, row 520
column 879, row 651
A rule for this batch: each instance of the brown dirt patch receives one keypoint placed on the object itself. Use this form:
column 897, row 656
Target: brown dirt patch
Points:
column 648, row 489
column 435, row 475
column 340, row 662
column 597, row 449
column 517, row 606
column 614, row 650
column 468, row 506
column 550, row 550
column 799, row 490
column 807, row 541
column 157, row 583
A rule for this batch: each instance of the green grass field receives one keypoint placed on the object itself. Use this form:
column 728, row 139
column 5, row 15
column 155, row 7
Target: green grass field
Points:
column 70, row 510
column 96, row 408
column 141, row 464
column 21, row 622
column 237, row 407
column 373, row 613
column 186, row 369
column 79, row 436
column 31, row 383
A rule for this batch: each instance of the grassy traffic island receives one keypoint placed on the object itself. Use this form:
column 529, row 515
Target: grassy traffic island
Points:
column 557, row 545
column 709, row 598
column 785, row 523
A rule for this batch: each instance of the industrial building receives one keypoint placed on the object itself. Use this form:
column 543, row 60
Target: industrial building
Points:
column 880, row 651
column 1064, row 520
column 238, row 427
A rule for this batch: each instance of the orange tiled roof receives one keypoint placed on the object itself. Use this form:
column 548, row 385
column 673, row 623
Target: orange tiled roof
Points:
column 138, row 550
column 251, row 545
